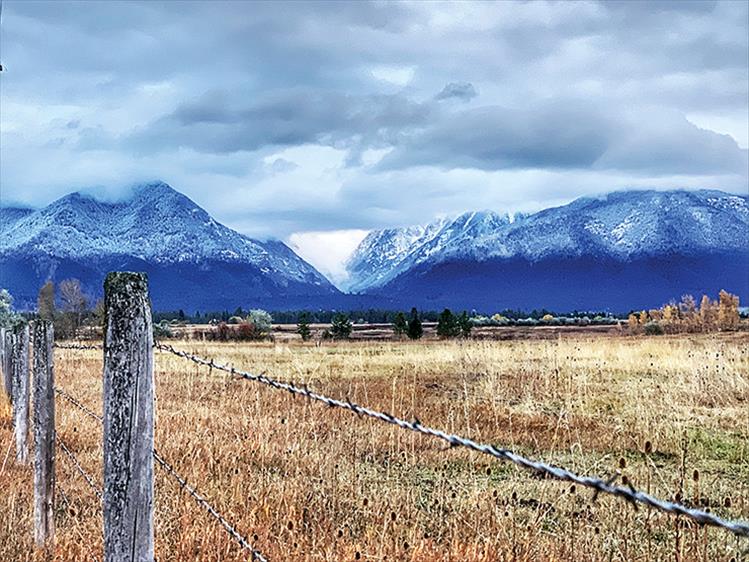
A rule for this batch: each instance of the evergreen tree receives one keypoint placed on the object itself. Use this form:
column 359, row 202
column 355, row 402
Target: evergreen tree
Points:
column 340, row 326
column 447, row 325
column 302, row 326
column 400, row 324
column 464, row 325
column 8, row 317
column 415, row 329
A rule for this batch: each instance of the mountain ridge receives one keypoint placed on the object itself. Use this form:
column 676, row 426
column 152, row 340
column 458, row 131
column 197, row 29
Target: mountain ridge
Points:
column 154, row 229
column 643, row 227
column 579, row 255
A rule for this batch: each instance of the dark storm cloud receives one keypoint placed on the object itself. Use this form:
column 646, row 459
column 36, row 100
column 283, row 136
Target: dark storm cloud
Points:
column 457, row 90
column 570, row 134
column 215, row 123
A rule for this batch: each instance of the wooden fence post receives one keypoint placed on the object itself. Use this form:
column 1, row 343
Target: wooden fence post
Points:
column 128, row 419
column 20, row 389
column 44, row 433
column 7, row 345
column 2, row 360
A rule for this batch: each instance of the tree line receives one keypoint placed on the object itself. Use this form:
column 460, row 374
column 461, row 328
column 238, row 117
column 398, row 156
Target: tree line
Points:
column 404, row 325
column 372, row 316
column 685, row 316
column 72, row 312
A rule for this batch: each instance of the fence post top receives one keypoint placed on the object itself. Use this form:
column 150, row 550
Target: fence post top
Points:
column 126, row 292
column 125, row 282
column 42, row 324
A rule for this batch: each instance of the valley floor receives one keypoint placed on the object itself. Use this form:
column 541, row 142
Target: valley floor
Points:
column 307, row 482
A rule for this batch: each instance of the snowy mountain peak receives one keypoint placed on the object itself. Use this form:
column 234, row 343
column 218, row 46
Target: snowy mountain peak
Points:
column 619, row 225
column 156, row 225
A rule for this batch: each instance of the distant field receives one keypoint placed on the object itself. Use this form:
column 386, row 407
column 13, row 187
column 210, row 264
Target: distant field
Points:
column 306, row 482
column 384, row 332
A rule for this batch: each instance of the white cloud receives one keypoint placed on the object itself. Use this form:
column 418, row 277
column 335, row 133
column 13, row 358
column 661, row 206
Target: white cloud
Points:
column 735, row 124
column 327, row 251
column 398, row 75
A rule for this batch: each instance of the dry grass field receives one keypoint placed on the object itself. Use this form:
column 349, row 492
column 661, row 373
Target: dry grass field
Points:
column 306, row 482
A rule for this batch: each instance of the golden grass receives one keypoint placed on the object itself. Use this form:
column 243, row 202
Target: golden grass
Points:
column 305, row 482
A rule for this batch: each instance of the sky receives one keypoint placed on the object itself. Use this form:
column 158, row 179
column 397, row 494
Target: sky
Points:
column 315, row 122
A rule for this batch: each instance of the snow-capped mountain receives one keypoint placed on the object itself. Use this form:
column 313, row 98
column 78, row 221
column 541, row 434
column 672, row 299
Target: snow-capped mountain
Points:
column 679, row 241
column 192, row 260
column 383, row 250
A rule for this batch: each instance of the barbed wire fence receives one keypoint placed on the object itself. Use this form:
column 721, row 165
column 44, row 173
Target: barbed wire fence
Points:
column 627, row 492
column 128, row 364
column 77, row 465
column 169, row 469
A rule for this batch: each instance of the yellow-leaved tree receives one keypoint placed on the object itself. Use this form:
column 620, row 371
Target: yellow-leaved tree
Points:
column 728, row 311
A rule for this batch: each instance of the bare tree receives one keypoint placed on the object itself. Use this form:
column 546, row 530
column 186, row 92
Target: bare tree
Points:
column 45, row 302
column 74, row 302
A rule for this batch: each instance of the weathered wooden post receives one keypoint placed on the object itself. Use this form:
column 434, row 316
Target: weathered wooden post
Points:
column 44, row 433
column 20, row 392
column 2, row 360
column 7, row 346
column 128, row 419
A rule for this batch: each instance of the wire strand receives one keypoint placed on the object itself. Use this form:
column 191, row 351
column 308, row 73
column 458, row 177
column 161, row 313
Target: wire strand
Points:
column 256, row 554
column 79, row 468
column 629, row 493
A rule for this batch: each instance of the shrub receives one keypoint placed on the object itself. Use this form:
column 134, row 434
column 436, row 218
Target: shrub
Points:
column 653, row 329
column 499, row 320
column 400, row 324
column 246, row 331
column 464, row 325
column 262, row 321
column 162, row 330
column 222, row 332
column 482, row 321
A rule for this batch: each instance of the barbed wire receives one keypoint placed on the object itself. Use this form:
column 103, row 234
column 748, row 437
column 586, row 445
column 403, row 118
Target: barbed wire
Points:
column 63, row 494
column 256, row 554
column 629, row 493
column 78, row 405
column 79, row 468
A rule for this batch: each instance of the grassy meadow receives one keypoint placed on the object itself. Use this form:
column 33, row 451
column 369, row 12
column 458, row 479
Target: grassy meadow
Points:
column 306, row 482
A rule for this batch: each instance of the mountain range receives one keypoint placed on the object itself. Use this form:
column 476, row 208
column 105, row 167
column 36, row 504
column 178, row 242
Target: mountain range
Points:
column 625, row 250
column 193, row 262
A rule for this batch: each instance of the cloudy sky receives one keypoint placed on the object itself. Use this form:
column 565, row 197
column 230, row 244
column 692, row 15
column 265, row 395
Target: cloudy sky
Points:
column 314, row 122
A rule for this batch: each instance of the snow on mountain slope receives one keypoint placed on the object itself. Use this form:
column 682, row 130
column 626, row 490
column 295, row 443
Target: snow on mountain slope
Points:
column 9, row 216
column 382, row 250
column 157, row 226
column 620, row 226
